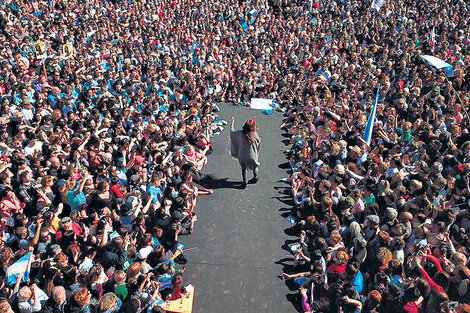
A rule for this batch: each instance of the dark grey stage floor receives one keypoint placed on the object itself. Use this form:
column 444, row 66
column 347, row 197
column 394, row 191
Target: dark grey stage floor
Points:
column 234, row 254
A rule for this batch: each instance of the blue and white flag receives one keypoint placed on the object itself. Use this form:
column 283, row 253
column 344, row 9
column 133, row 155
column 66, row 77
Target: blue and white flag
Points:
column 436, row 62
column 439, row 64
column 371, row 120
column 166, row 282
column 23, row 265
column 119, row 65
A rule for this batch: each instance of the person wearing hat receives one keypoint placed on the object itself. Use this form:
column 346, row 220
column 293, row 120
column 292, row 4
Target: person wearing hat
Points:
column 354, row 154
column 245, row 146
column 142, row 256
column 372, row 227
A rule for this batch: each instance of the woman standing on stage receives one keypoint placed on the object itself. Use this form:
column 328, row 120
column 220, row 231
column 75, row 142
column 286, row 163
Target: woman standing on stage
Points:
column 245, row 146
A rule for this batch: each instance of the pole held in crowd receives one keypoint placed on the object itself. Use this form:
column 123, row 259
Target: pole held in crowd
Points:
column 370, row 122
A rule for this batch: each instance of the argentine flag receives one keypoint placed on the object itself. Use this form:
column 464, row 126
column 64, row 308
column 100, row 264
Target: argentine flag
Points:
column 371, row 120
column 23, row 265
column 439, row 64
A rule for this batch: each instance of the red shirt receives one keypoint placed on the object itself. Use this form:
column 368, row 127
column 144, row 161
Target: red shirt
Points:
column 336, row 269
column 115, row 189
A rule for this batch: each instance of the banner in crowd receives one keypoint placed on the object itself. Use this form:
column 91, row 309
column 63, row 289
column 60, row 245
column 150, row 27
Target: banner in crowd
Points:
column 261, row 104
column 436, row 62
column 439, row 64
column 23, row 265
column 432, row 38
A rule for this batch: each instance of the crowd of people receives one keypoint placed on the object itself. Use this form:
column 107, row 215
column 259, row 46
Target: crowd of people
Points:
column 101, row 151
column 382, row 224
column 102, row 147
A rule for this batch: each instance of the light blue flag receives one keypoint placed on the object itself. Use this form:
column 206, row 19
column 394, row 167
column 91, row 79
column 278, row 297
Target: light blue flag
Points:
column 119, row 65
column 166, row 282
column 23, row 265
column 436, row 62
column 370, row 122
column 439, row 64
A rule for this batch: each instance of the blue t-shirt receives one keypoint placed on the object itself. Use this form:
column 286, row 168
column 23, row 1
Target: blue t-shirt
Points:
column 156, row 192
column 358, row 282
column 76, row 202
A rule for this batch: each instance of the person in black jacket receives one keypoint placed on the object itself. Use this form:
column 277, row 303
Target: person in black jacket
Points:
column 115, row 253
column 58, row 303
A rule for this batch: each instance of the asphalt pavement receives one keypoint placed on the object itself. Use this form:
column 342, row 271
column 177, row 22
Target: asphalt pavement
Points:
column 234, row 254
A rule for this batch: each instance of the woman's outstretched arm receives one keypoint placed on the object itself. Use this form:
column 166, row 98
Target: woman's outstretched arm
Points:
column 232, row 125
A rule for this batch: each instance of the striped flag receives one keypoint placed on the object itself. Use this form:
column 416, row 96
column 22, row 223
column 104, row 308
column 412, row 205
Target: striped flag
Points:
column 166, row 283
column 370, row 122
column 23, row 265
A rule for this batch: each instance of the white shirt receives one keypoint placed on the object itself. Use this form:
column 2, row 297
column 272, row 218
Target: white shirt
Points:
column 29, row 150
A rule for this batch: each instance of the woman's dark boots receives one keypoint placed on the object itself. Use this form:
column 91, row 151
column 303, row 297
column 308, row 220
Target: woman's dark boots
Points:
column 255, row 178
column 245, row 182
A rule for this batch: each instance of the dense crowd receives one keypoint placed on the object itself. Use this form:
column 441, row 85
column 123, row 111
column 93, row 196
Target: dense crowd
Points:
column 383, row 225
column 102, row 149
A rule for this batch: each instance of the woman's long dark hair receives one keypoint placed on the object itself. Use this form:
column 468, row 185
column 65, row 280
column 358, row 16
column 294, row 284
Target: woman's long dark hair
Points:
column 249, row 129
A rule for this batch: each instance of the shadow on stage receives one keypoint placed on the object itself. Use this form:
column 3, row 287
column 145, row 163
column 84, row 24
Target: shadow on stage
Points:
column 212, row 182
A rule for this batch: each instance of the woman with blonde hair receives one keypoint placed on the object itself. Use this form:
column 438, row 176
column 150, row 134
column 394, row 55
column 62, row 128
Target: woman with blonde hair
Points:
column 74, row 171
column 335, row 241
column 6, row 257
column 109, row 303
column 384, row 256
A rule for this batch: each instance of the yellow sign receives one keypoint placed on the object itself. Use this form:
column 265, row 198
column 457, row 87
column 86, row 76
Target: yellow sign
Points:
column 67, row 50
column 40, row 49
column 182, row 305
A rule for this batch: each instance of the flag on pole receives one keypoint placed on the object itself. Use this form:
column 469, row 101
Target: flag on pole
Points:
column 370, row 122
column 23, row 265
column 119, row 65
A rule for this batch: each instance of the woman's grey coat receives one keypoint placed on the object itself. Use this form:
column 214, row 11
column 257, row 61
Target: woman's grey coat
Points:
column 246, row 153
